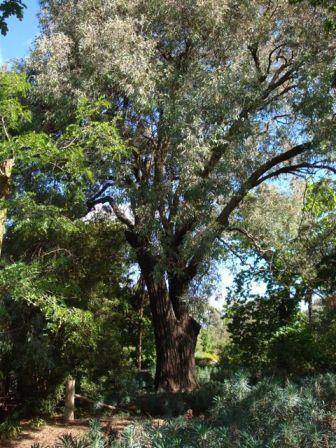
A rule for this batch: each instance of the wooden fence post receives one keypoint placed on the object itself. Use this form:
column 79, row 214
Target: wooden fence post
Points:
column 69, row 408
column 6, row 167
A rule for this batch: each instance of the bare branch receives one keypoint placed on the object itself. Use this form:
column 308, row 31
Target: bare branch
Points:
column 254, row 52
column 219, row 150
column 221, row 223
column 117, row 211
column 251, row 238
column 293, row 169
column 271, row 55
column 102, row 190
column 254, row 180
column 5, row 128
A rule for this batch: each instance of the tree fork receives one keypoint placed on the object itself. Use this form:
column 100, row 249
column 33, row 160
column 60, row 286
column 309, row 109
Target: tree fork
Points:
column 175, row 332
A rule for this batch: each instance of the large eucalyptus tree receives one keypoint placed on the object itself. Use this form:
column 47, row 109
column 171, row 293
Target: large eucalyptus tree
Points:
column 213, row 97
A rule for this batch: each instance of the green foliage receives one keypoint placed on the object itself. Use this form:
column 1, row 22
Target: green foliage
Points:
column 295, row 349
column 37, row 423
column 10, row 8
column 268, row 413
column 251, row 325
column 66, row 311
column 265, row 339
column 123, row 390
column 273, row 414
column 296, row 264
column 16, row 117
column 172, row 405
column 329, row 6
column 9, row 429
column 244, row 415
column 69, row 441
column 14, row 114
column 320, row 198
column 213, row 334
column 67, row 302
column 204, row 359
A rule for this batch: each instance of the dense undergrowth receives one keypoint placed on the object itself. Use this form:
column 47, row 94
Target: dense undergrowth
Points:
column 268, row 414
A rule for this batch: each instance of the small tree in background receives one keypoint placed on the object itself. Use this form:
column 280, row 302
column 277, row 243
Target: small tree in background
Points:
column 292, row 253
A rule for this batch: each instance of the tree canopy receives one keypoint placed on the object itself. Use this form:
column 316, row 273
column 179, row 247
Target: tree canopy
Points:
column 212, row 98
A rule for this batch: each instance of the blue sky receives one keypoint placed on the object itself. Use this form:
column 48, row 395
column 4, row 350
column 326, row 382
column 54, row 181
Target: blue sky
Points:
column 21, row 34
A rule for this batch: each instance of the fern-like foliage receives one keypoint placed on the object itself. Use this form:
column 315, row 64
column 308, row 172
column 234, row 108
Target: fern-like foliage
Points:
column 69, row 441
column 267, row 414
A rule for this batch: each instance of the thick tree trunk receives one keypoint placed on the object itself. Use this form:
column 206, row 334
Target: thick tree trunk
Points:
column 175, row 332
column 175, row 355
column 175, row 345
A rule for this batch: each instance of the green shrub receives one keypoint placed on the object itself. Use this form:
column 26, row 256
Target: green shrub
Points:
column 161, row 404
column 270, row 334
column 269, row 414
column 69, row 441
column 9, row 429
column 174, row 404
column 37, row 423
column 295, row 349
column 204, row 359
column 123, row 388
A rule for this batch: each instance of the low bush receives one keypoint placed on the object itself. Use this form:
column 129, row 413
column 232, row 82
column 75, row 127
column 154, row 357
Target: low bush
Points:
column 204, row 359
column 165, row 404
column 270, row 413
column 9, row 429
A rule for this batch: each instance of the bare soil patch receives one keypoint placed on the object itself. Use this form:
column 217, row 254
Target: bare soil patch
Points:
column 47, row 434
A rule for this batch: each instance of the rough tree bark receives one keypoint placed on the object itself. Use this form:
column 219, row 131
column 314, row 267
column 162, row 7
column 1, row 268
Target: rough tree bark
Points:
column 175, row 331
column 175, row 351
column 175, row 340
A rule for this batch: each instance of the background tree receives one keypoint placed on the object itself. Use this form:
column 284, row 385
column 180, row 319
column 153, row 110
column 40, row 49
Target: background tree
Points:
column 213, row 98
column 292, row 252
column 68, row 303
column 15, row 120
column 292, row 235
column 63, row 313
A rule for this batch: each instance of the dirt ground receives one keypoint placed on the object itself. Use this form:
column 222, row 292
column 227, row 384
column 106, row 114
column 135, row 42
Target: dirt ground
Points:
column 53, row 429
column 47, row 434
